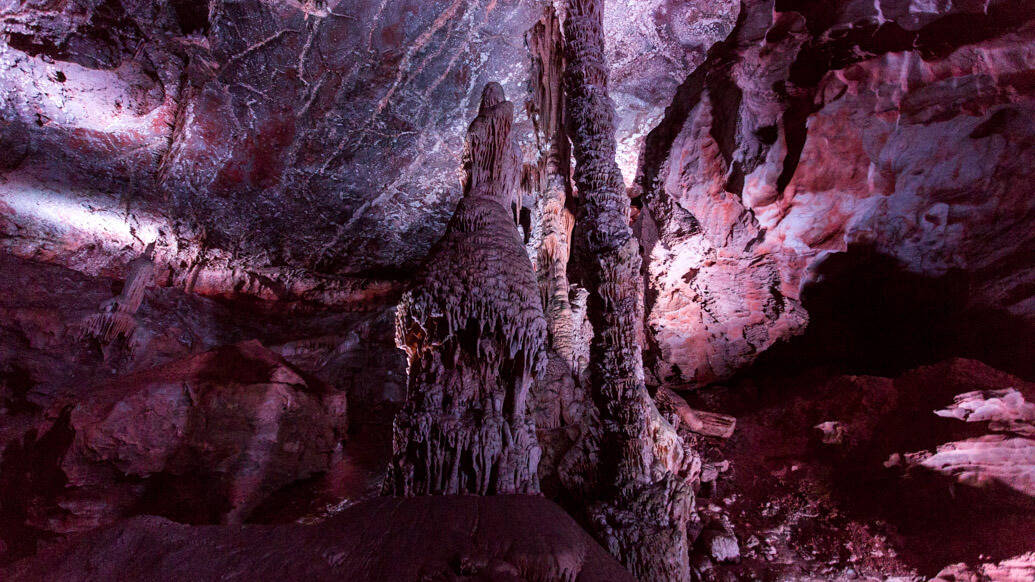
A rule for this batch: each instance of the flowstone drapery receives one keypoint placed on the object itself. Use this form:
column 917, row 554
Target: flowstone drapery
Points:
column 474, row 334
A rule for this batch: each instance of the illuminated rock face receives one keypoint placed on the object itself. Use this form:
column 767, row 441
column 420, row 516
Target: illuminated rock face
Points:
column 475, row 336
column 852, row 172
column 892, row 132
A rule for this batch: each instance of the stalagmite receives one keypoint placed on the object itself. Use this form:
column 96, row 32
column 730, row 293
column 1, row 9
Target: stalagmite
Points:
column 547, row 108
column 637, row 492
column 560, row 400
column 474, row 334
column 116, row 316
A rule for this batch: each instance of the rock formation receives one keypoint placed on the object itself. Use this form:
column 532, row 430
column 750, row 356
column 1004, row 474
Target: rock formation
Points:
column 637, row 496
column 500, row 538
column 739, row 224
column 1004, row 457
column 474, row 334
column 202, row 440
column 560, row 400
column 815, row 134
column 116, row 317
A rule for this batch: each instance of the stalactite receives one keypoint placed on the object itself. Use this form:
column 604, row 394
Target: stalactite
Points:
column 637, row 481
column 116, row 316
column 475, row 336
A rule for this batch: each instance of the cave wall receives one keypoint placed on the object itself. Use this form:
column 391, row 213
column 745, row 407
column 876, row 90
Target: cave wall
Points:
column 896, row 133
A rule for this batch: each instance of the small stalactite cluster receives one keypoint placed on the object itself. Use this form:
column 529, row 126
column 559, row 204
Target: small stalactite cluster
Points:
column 116, row 317
column 474, row 334
column 635, row 472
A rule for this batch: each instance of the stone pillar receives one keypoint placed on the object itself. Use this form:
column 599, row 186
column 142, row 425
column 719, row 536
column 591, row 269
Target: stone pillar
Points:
column 474, row 334
column 637, row 491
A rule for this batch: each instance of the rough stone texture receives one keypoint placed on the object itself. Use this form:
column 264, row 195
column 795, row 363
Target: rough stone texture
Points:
column 284, row 141
column 805, row 509
column 1005, row 457
column 1016, row 569
column 255, row 119
column 474, row 334
column 44, row 364
column 203, row 439
column 866, row 162
column 42, row 308
column 502, row 538
column 116, row 317
column 635, row 487
column 651, row 46
column 823, row 128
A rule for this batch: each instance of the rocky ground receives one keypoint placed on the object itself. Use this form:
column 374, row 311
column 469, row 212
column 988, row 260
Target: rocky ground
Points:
column 813, row 484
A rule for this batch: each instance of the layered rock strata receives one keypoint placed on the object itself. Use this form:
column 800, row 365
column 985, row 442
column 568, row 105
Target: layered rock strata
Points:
column 474, row 334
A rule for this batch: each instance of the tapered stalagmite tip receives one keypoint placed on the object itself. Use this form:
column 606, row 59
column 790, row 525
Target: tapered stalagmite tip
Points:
column 492, row 95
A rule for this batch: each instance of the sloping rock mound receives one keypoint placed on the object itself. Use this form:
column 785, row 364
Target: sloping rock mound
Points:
column 497, row 538
column 203, row 440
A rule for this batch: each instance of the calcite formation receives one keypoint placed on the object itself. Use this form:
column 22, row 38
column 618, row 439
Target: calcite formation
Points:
column 638, row 496
column 474, row 334
column 116, row 317
column 697, row 253
column 818, row 132
column 1005, row 456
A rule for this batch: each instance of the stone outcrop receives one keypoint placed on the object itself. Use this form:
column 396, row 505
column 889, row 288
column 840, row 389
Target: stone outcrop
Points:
column 201, row 440
column 1015, row 569
column 1004, row 457
column 474, row 334
column 843, row 133
column 855, row 502
column 502, row 538
column 637, row 497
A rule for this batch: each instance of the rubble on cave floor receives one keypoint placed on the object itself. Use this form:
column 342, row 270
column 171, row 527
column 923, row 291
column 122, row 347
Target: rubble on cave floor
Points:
column 801, row 506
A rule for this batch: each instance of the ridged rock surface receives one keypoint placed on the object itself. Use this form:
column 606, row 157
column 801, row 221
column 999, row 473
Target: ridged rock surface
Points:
column 204, row 439
column 634, row 482
column 891, row 135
